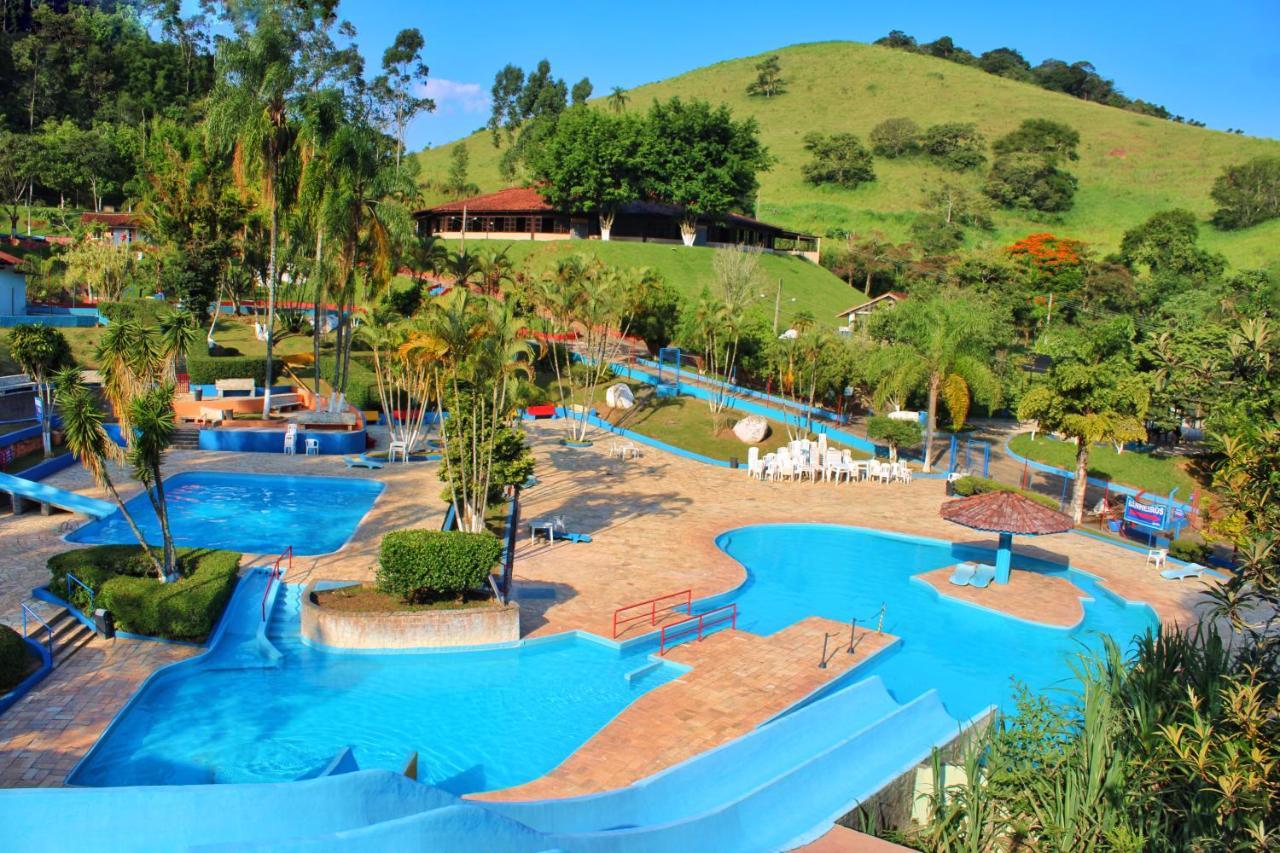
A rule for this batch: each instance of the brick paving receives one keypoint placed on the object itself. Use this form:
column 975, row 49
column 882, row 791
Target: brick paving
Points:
column 1037, row 598
column 738, row 681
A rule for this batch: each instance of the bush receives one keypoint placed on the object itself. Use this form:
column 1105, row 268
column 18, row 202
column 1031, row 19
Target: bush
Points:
column 1189, row 550
column 205, row 370
column 895, row 433
column 968, row 486
column 1247, row 193
column 1032, row 182
column 955, row 146
column 838, row 159
column 421, row 564
column 122, row 580
column 15, row 658
column 146, row 312
column 895, row 137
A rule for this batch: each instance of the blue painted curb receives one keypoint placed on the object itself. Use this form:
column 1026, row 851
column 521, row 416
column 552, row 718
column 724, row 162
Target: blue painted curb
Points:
column 26, row 685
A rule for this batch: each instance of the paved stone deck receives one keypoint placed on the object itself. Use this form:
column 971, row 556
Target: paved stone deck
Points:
column 1035, row 597
column 738, row 681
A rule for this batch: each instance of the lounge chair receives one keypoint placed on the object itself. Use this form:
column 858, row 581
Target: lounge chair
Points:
column 983, row 577
column 963, row 574
column 361, row 462
column 576, row 537
column 1191, row 570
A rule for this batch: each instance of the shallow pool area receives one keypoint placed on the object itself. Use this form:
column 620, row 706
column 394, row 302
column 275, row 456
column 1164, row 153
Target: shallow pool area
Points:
column 971, row 655
column 255, row 712
column 251, row 513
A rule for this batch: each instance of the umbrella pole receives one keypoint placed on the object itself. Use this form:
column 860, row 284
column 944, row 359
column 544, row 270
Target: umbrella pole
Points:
column 1004, row 555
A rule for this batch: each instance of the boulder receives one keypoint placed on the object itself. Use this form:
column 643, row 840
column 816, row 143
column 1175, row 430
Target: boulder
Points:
column 752, row 429
column 619, row 396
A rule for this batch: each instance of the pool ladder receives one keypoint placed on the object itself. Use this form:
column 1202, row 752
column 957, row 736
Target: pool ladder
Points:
column 853, row 630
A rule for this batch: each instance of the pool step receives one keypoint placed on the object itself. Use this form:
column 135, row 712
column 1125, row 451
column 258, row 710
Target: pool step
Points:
column 70, row 635
column 185, row 438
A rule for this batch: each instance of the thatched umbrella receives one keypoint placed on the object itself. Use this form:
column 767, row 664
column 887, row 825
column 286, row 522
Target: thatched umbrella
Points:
column 1005, row 513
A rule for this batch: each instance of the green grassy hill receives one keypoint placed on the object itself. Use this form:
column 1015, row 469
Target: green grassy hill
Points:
column 1130, row 165
column 805, row 285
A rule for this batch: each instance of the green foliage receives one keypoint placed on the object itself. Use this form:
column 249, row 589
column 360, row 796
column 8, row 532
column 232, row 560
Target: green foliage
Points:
column 206, row 370
column 470, row 433
column 656, row 317
column 458, row 184
column 1030, row 181
column 362, row 384
column 591, row 163
column 1247, row 194
column 1190, row 550
column 895, row 433
column 839, row 159
column 144, row 311
column 418, row 565
column 15, row 659
column 934, row 235
column 895, row 137
column 967, row 486
column 1167, row 244
column 39, row 350
column 957, row 146
column 1045, row 137
column 186, row 609
column 768, row 80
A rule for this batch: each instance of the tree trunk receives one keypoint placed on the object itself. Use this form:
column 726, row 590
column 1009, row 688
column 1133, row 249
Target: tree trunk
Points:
column 606, row 225
column 271, row 292
column 935, row 379
column 689, row 230
column 866, row 290
column 170, row 552
column 133, row 525
column 1082, row 481
column 317, row 295
column 46, row 418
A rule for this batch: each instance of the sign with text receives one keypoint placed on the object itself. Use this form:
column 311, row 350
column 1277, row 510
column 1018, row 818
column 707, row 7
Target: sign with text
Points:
column 1147, row 514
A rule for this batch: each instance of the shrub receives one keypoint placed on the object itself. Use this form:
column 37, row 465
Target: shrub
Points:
column 956, row 146
column 119, row 575
column 1247, row 193
column 14, row 658
column 1189, row 550
column 1030, row 181
column 421, row 564
column 838, row 159
column 205, row 370
column 967, row 486
column 146, row 312
column 895, row 137
column 895, row 433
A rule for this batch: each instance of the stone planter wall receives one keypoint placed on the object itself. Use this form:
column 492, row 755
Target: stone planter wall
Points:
column 422, row 629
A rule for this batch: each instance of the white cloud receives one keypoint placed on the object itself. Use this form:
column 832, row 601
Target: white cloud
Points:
column 453, row 97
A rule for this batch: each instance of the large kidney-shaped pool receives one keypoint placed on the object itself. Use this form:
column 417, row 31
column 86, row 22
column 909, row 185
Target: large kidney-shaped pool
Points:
column 251, row 513
column 970, row 654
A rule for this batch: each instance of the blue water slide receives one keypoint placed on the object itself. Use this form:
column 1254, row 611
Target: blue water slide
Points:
column 61, row 498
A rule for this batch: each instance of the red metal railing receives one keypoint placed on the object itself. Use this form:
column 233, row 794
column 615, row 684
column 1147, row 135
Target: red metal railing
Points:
column 274, row 575
column 651, row 613
column 702, row 622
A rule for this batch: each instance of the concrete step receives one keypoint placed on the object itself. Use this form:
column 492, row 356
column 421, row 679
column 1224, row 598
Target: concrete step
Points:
column 65, row 649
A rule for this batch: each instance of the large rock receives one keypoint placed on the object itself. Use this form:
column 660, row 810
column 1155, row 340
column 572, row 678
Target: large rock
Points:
column 752, row 429
column 619, row 396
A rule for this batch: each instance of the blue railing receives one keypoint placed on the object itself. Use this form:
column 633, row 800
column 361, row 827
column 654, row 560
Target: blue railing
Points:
column 72, row 579
column 27, row 611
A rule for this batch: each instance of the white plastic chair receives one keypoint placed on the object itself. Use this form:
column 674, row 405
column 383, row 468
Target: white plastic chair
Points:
column 291, row 440
column 399, row 447
column 1156, row 557
column 786, row 468
column 754, row 468
column 313, row 447
column 831, row 468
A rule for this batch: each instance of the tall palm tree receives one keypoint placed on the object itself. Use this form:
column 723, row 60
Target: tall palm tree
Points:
column 178, row 331
column 87, row 440
column 617, row 100
column 494, row 268
column 249, row 114
column 151, row 417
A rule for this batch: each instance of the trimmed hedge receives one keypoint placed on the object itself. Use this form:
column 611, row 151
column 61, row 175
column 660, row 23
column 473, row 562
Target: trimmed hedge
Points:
column 1189, row 550
column 362, row 385
column 967, row 486
column 145, row 311
column 14, row 658
column 418, row 565
column 205, row 370
column 122, row 580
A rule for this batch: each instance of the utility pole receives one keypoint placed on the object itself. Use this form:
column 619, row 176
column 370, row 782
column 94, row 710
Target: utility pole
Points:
column 777, row 307
column 463, row 249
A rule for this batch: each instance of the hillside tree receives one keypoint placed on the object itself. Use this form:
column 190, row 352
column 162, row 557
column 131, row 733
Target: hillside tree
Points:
column 1247, row 193
column 839, row 159
column 458, row 183
column 768, row 80
column 895, row 137
column 957, row 146
column 395, row 90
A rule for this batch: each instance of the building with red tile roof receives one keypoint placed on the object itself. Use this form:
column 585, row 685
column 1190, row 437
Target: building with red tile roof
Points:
column 121, row 228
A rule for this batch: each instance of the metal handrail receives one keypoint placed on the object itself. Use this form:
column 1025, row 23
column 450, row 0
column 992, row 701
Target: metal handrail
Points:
column 73, row 579
column 274, row 574
column 704, row 622
column 36, row 616
column 652, row 603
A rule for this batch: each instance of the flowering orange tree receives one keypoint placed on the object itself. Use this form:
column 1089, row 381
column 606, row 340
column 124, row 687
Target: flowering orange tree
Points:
column 1048, row 253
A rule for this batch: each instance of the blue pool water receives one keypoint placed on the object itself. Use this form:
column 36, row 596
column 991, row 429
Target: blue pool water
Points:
column 970, row 654
column 252, row 513
column 478, row 720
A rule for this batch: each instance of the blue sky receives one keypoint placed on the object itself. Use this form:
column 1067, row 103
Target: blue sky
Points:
column 1216, row 62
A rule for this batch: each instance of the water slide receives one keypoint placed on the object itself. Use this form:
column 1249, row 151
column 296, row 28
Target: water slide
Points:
column 60, row 498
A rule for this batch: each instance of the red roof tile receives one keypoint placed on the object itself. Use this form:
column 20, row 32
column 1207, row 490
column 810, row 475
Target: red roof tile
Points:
column 1006, row 512
column 126, row 220
column 6, row 258
column 510, row 200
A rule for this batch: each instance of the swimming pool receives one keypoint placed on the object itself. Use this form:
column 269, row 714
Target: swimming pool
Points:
column 970, row 654
column 251, row 513
column 479, row 720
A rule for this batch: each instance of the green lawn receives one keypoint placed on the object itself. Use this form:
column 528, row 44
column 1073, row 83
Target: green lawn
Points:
column 1130, row 165
column 1141, row 470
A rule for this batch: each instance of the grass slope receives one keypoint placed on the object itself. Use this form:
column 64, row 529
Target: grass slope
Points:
column 805, row 285
column 1156, row 474
column 1130, row 165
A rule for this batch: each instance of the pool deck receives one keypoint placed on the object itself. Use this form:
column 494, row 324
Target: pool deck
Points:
column 654, row 522
column 1035, row 597
column 738, row 681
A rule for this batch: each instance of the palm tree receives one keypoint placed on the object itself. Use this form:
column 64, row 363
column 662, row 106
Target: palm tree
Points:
column 151, row 418
column 931, row 339
column 178, row 331
column 494, row 268
column 1091, row 393
column 463, row 268
column 87, row 440
column 617, row 100
column 249, row 114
